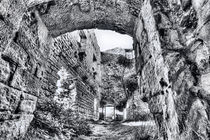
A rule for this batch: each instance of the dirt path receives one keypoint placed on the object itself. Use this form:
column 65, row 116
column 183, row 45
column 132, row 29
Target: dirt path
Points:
column 118, row 131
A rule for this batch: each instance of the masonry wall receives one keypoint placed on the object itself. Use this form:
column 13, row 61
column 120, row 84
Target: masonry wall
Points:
column 86, row 58
column 29, row 67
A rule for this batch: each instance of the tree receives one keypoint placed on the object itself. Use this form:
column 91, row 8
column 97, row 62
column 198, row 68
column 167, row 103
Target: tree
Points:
column 116, row 72
column 125, row 63
column 131, row 83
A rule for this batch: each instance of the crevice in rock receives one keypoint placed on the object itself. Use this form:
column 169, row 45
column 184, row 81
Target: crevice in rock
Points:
column 15, row 39
column 186, row 4
column 17, row 110
column 190, row 21
column 45, row 7
column 2, row 18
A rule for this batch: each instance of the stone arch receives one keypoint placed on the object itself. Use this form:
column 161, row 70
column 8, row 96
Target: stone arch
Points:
column 129, row 18
column 67, row 16
column 148, row 19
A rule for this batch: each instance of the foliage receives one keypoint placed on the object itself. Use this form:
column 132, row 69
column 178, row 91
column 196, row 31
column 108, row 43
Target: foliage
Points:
column 124, row 61
column 131, row 83
column 114, row 88
column 106, row 57
column 50, row 106
column 142, row 116
column 121, row 105
column 52, row 119
column 81, row 127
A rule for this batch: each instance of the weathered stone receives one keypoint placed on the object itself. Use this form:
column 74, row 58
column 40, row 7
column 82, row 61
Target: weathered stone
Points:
column 25, row 81
column 10, row 98
column 198, row 120
column 89, row 12
column 28, row 103
column 17, row 54
column 9, row 22
column 31, row 3
column 15, row 129
column 112, row 74
column 205, row 78
column 200, row 55
column 4, row 71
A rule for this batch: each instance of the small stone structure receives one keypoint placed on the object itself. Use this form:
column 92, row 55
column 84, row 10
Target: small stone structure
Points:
column 108, row 112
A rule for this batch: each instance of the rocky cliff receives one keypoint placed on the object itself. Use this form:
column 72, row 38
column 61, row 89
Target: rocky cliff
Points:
column 114, row 75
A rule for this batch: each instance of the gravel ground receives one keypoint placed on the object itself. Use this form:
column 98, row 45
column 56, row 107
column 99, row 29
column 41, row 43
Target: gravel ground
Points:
column 121, row 131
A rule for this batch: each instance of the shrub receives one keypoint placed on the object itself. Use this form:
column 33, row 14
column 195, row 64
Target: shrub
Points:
column 61, row 122
column 81, row 127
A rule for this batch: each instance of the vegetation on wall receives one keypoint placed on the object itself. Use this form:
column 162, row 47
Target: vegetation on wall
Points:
column 53, row 121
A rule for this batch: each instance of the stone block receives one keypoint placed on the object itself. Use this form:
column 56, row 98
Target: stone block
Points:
column 205, row 78
column 8, row 116
column 15, row 129
column 15, row 101
column 31, row 3
column 28, row 104
column 9, row 98
column 10, row 22
column 198, row 119
column 200, row 55
column 4, row 71
column 25, row 81
column 156, row 104
column 19, row 80
column 11, row 7
column 17, row 54
column 5, row 35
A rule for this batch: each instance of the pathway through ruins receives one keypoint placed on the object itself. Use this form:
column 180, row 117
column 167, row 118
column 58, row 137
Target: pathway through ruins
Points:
column 121, row 131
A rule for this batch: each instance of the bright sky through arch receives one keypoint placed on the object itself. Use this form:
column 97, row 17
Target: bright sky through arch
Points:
column 108, row 39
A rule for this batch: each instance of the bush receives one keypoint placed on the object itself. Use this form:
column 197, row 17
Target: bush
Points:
column 63, row 122
column 142, row 117
column 81, row 127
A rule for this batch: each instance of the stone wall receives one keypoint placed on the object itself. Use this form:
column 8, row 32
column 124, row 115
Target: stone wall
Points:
column 21, row 78
column 172, row 56
column 84, row 69
column 29, row 73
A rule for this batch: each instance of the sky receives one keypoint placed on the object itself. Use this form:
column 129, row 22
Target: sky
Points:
column 110, row 39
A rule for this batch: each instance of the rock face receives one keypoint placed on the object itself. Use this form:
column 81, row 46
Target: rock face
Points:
column 176, row 52
column 16, row 114
column 171, row 43
column 114, row 75
column 29, row 74
column 136, row 109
